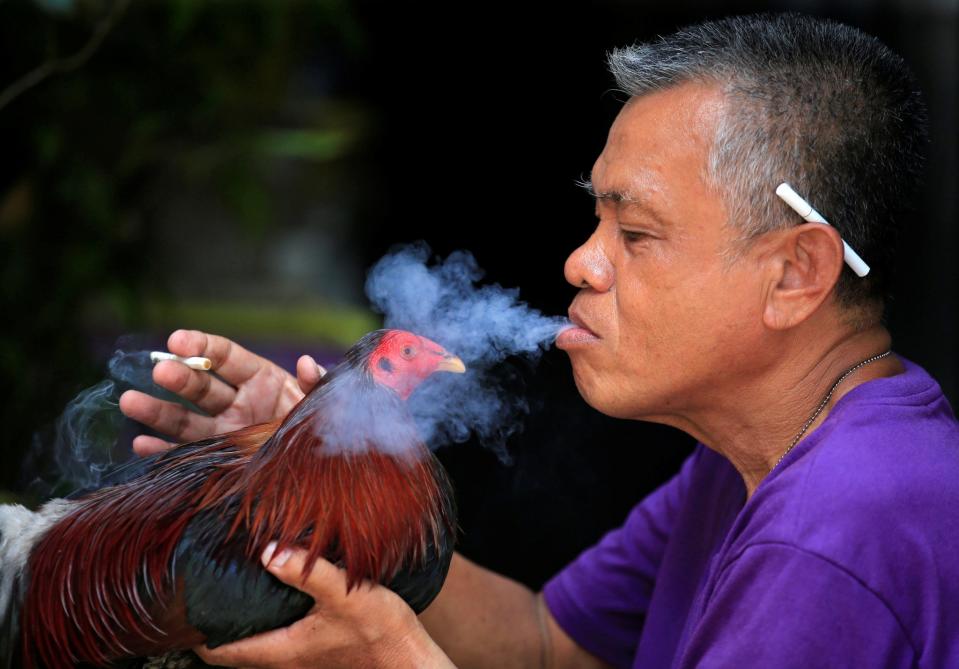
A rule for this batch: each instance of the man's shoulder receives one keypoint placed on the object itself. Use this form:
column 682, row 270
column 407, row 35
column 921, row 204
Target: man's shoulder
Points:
column 884, row 464
column 892, row 450
column 874, row 494
column 889, row 447
column 883, row 488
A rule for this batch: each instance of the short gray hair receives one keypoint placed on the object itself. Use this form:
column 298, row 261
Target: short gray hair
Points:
column 812, row 102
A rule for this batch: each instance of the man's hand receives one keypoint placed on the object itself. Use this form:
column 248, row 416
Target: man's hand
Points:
column 255, row 391
column 369, row 627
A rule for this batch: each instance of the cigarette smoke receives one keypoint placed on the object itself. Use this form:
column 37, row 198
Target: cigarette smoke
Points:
column 441, row 299
column 87, row 431
column 482, row 324
column 84, row 443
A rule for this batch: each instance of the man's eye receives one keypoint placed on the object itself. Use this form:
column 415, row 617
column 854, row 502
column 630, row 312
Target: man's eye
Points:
column 630, row 236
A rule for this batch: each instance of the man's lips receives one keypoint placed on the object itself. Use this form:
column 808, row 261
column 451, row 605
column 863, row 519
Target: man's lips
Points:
column 579, row 333
column 579, row 322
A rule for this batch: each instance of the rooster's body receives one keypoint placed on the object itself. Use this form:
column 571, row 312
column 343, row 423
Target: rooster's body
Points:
column 165, row 556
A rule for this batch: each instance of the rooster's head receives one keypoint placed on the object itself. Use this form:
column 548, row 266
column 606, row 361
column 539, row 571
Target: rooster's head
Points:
column 401, row 360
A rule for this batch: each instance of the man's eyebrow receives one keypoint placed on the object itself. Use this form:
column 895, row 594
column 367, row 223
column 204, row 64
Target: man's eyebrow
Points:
column 620, row 197
column 615, row 196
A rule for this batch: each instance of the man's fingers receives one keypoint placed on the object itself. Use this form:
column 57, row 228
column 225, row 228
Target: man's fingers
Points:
column 201, row 388
column 144, row 445
column 166, row 417
column 231, row 361
column 308, row 373
column 324, row 580
column 267, row 644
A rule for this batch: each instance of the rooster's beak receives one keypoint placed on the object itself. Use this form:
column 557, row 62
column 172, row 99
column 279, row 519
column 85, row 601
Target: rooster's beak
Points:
column 450, row 363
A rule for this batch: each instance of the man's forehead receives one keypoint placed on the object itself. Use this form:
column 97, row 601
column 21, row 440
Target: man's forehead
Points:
column 625, row 177
column 654, row 135
column 662, row 122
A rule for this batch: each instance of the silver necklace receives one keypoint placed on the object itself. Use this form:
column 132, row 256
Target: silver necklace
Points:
column 825, row 401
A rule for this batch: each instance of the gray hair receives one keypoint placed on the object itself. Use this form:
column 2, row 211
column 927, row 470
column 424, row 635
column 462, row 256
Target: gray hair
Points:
column 812, row 102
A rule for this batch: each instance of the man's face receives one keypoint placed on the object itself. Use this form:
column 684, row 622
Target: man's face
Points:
column 673, row 323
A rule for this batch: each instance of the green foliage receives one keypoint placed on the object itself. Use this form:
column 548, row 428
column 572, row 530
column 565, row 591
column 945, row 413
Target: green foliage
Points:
column 180, row 91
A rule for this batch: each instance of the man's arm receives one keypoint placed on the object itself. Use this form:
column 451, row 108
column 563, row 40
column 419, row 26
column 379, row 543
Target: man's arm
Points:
column 483, row 619
column 480, row 618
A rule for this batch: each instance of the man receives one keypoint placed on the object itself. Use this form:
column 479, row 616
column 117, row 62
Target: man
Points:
column 815, row 523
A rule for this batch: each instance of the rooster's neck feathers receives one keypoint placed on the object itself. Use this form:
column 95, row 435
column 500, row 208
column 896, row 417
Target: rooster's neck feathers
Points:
column 342, row 476
column 106, row 577
column 358, row 356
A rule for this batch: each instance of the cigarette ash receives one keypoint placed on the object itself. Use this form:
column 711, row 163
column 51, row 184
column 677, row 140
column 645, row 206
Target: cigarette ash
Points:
column 486, row 325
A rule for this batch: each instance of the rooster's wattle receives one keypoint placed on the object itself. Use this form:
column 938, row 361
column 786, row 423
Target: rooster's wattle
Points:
column 164, row 556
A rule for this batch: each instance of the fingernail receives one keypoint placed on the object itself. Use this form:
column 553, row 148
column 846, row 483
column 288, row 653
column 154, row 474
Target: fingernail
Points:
column 281, row 558
column 268, row 553
column 320, row 371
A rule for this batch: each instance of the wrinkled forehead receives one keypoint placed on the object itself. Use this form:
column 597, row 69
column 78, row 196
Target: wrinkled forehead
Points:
column 654, row 169
column 657, row 135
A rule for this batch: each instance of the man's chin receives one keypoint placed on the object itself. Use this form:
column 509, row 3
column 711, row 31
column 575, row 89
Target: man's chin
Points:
column 605, row 397
column 591, row 392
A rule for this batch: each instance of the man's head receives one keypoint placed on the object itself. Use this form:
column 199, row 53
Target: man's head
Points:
column 812, row 102
column 720, row 114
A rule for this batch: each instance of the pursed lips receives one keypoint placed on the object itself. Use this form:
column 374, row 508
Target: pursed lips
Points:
column 580, row 322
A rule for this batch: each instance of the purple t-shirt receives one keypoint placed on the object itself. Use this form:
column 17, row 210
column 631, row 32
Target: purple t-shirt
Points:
column 847, row 554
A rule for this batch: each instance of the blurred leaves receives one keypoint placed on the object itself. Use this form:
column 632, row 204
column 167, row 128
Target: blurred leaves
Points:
column 56, row 64
column 180, row 92
column 317, row 145
column 303, row 322
column 56, row 6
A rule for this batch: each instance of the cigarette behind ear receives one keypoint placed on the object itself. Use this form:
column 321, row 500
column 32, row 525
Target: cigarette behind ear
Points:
column 195, row 362
column 804, row 209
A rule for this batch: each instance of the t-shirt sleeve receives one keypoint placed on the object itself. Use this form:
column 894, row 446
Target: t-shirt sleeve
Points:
column 779, row 606
column 601, row 598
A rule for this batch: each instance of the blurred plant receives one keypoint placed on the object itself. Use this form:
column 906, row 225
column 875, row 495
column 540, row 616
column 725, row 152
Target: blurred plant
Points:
column 65, row 64
column 167, row 93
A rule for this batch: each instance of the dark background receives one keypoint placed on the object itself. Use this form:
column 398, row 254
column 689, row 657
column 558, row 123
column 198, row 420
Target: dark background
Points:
column 236, row 167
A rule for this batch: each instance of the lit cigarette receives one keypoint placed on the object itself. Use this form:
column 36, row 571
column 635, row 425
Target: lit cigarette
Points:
column 196, row 362
column 804, row 209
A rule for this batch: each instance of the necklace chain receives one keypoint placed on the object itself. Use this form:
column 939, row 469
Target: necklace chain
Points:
column 825, row 401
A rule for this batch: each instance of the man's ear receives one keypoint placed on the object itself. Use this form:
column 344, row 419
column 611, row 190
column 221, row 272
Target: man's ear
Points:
column 803, row 265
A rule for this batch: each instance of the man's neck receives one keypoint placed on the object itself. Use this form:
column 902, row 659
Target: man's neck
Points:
column 755, row 425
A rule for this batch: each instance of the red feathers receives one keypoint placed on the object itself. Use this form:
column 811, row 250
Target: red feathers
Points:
column 100, row 579
column 104, row 583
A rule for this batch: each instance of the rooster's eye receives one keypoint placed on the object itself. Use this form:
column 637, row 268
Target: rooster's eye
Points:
column 407, row 352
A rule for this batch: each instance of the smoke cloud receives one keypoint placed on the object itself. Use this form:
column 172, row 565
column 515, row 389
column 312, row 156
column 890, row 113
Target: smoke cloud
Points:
column 440, row 299
column 87, row 431
column 482, row 324
column 84, row 443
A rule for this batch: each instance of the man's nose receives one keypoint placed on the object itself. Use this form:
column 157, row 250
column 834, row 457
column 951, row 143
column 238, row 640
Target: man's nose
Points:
column 589, row 267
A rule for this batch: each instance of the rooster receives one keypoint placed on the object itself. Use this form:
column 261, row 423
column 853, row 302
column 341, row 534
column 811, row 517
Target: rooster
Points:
column 164, row 556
